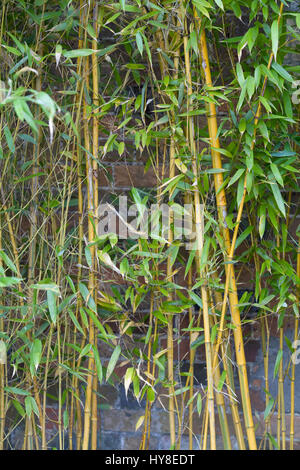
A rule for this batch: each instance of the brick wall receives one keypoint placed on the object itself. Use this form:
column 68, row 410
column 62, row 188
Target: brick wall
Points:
column 119, row 414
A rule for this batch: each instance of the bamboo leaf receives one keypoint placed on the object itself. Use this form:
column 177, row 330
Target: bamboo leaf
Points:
column 87, row 297
column 8, row 261
column 139, row 42
column 30, row 405
column 222, row 380
column 3, row 352
column 19, row 407
column 196, row 299
column 51, row 300
column 16, row 391
column 269, row 407
column 98, row 364
column 199, row 404
column 128, row 378
column 75, row 321
column 277, row 174
column 112, row 362
column 78, row 53
column 277, row 362
column 85, row 350
column 244, row 235
column 278, row 198
column 139, row 422
column 275, row 37
column 46, row 285
column 9, row 139
column 236, row 176
column 281, row 71
column 220, row 4
column 9, row 281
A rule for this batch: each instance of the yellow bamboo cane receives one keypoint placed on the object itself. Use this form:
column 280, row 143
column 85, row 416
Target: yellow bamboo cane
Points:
column 230, row 278
column 296, row 336
column 221, row 203
column 199, row 246
column 90, row 197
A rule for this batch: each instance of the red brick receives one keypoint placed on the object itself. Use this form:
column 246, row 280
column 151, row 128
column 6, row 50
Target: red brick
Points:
column 256, row 400
column 251, row 349
column 256, row 383
column 127, row 176
column 105, row 177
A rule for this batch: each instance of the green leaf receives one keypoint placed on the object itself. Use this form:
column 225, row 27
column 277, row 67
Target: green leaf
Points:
column 150, row 394
column 9, row 139
column 273, row 440
column 3, row 352
column 36, row 353
column 78, row 53
column 58, row 52
column 98, row 364
column 128, row 378
column 244, row 235
column 242, row 96
column 277, row 174
column 51, row 300
column 76, row 322
column 281, row 71
column 264, row 130
column 87, row 297
column 16, row 391
column 199, row 404
column 269, row 407
column 278, row 198
column 204, row 254
column 196, row 299
column 30, row 405
column 190, row 261
column 194, row 41
column 262, row 222
column 277, row 362
column 46, row 285
column 240, row 74
column 265, row 103
column 236, row 176
column 71, row 284
column 88, row 256
column 85, row 350
column 222, row 380
column 240, row 191
column 19, row 407
column 160, row 316
column 112, row 362
column 139, row 42
column 242, row 125
column 9, row 281
column 220, row 4
column 275, row 37
column 96, row 321
column 250, row 86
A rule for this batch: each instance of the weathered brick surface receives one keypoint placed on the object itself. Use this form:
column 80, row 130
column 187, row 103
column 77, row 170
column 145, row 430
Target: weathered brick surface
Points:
column 128, row 176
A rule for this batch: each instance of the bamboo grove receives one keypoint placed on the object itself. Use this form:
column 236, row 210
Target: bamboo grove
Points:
column 206, row 89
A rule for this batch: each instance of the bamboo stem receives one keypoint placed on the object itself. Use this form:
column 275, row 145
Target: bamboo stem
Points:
column 199, row 246
column 230, row 277
column 296, row 336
